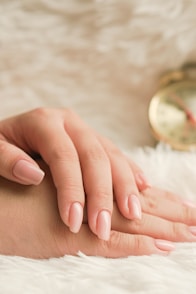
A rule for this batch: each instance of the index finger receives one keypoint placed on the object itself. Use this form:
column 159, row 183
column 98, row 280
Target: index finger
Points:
column 58, row 151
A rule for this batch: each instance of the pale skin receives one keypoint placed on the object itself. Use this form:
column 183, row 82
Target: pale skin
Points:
column 81, row 162
column 31, row 226
column 88, row 196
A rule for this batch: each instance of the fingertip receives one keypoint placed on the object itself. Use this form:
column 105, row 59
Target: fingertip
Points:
column 134, row 207
column 130, row 207
column 164, row 245
column 189, row 203
column 27, row 172
column 75, row 217
column 103, row 226
column 142, row 181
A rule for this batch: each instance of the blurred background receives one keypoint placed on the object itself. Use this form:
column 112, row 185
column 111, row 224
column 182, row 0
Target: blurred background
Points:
column 101, row 58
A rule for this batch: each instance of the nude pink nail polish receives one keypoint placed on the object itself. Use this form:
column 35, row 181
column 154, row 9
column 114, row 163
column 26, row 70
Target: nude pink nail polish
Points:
column 193, row 230
column 75, row 217
column 164, row 245
column 103, row 225
column 142, row 181
column 189, row 203
column 28, row 172
column 134, row 206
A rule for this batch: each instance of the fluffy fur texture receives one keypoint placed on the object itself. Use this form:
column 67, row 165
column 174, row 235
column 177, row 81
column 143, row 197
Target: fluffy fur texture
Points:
column 103, row 59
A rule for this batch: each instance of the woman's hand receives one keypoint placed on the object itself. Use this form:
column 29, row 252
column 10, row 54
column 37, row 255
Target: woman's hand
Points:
column 81, row 162
column 30, row 224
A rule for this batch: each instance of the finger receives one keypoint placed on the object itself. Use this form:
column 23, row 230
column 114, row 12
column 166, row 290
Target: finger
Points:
column 62, row 158
column 124, row 185
column 154, row 227
column 17, row 166
column 125, row 189
column 97, row 179
column 119, row 244
column 42, row 131
column 56, row 148
column 168, row 206
column 139, row 176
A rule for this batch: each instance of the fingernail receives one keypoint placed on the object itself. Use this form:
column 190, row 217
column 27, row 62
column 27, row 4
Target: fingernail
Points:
column 75, row 217
column 193, row 230
column 142, row 181
column 103, row 225
column 164, row 245
column 134, row 206
column 28, row 172
column 189, row 203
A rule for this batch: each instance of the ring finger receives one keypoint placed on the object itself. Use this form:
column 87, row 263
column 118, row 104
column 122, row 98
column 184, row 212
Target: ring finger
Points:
column 153, row 226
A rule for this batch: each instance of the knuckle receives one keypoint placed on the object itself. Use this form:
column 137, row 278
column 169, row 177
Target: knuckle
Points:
column 96, row 153
column 166, row 194
column 115, row 152
column 41, row 111
column 178, row 232
column 141, row 245
column 60, row 153
column 103, row 194
column 70, row 115
column 187, row 214
column 121, row 244
column 151, row 203
column 124, row 243
column 71, row 187
column 115, row 240
column 45, row 113
column 136, row 245
column 8, row 157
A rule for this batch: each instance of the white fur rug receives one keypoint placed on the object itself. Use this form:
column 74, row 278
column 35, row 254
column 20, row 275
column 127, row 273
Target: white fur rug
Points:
column 103, row 59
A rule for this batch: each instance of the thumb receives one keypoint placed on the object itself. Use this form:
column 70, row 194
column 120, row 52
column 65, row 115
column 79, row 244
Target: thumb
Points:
column 17, row 166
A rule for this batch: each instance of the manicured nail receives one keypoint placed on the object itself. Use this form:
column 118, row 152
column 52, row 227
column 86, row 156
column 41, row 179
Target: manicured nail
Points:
column 103, row 225
column 164, row 245
column 193, row 230
column 142, row 181
column 28, row 172
column 134, row 206
column 189, row 203
column 75, row 217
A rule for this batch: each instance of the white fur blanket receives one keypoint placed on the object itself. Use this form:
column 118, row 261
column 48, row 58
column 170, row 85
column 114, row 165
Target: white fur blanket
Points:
column 103, row 59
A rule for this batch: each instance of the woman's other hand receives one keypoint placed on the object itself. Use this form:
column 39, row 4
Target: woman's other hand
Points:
column 30, row 224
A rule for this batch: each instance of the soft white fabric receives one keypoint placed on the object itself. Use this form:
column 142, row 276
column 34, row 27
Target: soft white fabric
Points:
column 103, row 59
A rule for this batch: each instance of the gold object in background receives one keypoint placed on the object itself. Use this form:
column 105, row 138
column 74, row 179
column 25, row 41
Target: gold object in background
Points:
column 172, row 110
